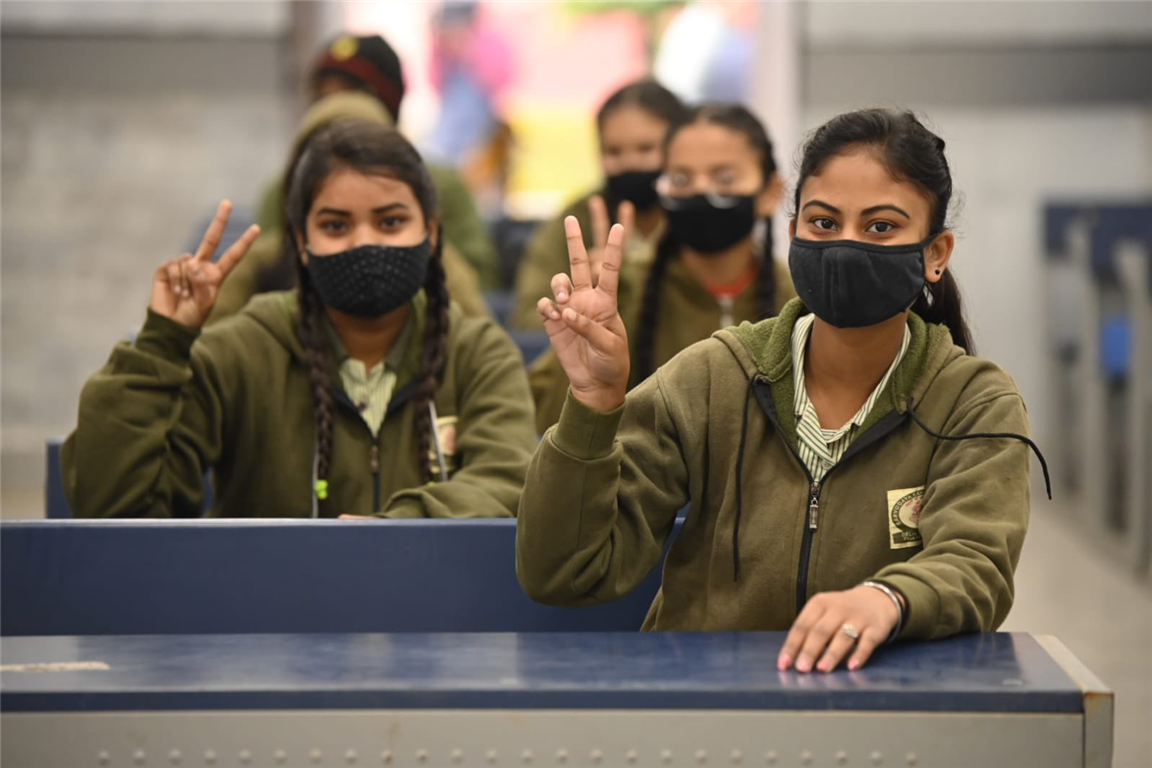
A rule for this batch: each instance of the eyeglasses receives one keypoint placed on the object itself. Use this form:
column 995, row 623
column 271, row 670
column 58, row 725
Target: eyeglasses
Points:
column 675, row 189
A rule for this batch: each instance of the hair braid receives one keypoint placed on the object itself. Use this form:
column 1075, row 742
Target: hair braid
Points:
column 433, row 356
column 650, row 307
column 311, row 329
column 766, row 289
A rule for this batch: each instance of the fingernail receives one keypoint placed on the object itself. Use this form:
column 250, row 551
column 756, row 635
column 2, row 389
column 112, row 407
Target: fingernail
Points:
column 784, row 662
column 555, row 315
column 854, row 665
column 804, row 665
column 562, row 296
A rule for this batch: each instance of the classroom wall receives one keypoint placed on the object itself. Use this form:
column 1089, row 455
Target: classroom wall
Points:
column 114, row 144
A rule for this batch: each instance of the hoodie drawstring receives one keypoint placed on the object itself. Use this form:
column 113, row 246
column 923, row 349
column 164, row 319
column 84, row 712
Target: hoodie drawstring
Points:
column 993, row 435
column 740, row 481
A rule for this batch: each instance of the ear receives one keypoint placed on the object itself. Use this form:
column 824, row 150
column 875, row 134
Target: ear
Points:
column 301, row 247
column 937, row 255
column 434, row 233
column 791, row 230
column 769, row 198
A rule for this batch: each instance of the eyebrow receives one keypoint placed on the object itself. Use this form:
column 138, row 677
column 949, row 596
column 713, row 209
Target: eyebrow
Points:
column 865, row 212
column 347, row 214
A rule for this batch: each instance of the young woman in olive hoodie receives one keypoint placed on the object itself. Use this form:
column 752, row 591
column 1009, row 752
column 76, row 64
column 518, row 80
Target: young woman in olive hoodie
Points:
column 854, row 473
column 364, row 392
column 713, row 265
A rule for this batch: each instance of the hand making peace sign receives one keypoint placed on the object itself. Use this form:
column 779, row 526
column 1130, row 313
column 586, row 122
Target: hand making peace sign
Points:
column 185, row 289
column 583, row 323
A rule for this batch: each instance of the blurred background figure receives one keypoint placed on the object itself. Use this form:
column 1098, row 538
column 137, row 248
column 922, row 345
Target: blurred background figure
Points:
column 471, row 67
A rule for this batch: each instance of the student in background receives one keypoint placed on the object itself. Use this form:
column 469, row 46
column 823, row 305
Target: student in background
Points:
column 363, row 392
column 270, row 264
column 370, row 65
column 713, row 266
column 855, row 473
column 631, row 126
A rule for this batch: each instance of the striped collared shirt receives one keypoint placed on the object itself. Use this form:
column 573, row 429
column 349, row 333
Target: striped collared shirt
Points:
column 371, row 390
column 820, row 448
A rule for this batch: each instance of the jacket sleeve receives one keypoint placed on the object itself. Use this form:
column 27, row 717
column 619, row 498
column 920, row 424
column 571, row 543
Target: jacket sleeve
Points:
column 464, row 228
column 601, row 499
column 495, row 435
column 149, row 426
column 972, row 521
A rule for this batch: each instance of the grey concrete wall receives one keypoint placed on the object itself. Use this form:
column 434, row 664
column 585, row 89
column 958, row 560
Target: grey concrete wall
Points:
column 112, row 149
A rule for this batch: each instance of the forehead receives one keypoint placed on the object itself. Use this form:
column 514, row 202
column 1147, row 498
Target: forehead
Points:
column 350, row 190
column 632, row 120
column 707, row 145
column 858, row 180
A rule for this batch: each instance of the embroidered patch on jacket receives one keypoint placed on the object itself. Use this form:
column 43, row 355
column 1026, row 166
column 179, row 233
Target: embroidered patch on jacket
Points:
column 904, row 517
column 446, row 429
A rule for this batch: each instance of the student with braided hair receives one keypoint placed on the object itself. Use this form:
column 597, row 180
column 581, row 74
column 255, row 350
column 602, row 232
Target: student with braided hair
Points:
column 364, row 392
column 713, row 267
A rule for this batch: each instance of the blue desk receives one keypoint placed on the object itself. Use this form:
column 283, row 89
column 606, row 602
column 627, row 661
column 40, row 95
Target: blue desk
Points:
column 542, row 699
column 124, row 577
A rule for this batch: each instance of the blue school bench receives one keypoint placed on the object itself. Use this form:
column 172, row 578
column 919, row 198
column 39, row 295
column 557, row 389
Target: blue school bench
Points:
column 551, row 699
column 171, row 577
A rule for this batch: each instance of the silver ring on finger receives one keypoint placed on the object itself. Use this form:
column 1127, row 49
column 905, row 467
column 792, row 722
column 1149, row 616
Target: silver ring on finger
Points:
column 851, row 631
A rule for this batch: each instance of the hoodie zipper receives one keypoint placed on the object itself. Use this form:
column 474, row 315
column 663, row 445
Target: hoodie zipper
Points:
column 374, row 465
column 373, row 451
column 878, row 431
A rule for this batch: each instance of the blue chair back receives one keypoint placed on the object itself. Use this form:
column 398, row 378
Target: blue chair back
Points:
column 94, row 577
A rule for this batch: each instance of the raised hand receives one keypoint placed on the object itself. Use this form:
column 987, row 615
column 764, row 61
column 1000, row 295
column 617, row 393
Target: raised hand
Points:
column 185, row 289
column 584, row 325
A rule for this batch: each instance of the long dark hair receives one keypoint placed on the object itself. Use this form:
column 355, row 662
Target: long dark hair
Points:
column 738, row 119
column 910, row 152
column 375, row 149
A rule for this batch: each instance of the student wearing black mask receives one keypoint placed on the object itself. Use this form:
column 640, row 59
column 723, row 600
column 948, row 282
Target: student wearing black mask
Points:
column 713, row 266
column 631, row 127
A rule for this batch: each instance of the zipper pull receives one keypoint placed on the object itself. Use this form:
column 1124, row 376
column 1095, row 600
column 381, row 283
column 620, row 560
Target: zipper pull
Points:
column 374, row 459
column 814, row 507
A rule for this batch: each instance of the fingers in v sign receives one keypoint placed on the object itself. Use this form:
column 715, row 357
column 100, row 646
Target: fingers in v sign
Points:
column 584, row 325
column 185, row 289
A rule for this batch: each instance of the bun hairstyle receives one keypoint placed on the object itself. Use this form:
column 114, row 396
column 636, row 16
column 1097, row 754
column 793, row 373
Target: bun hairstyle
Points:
column 910, row 152
column 373, row 149
column 738, row 119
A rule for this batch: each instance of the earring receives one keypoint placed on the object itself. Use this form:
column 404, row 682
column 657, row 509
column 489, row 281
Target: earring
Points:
column 937, row 271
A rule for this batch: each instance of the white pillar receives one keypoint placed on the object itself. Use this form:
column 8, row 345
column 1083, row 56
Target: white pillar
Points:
column 775, row 96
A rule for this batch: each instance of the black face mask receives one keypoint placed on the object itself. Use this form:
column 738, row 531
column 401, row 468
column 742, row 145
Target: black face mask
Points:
column 371, row 280
column 637, row 187
column 706, row 228
column 850, row 284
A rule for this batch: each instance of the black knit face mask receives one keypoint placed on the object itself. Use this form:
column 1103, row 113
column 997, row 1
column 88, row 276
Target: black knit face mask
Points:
column 709, row 224
column 850, row 284
column 370, row 280
column 637, row 187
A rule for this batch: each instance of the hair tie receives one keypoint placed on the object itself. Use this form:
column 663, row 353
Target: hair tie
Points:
column 321, row 489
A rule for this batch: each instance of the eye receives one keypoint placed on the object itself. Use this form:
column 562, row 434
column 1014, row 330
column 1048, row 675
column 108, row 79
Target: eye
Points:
column 680, row 180
column 391, row 222
column 881, row 228
column 332, row 226
column 823, row 222
column 724, row 181
column 646, row 148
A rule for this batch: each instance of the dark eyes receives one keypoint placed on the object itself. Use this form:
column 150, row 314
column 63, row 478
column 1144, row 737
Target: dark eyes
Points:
column 881, row 227
column 823, row 223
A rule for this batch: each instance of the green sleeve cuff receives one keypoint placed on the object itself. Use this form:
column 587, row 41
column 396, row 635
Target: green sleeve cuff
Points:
column 403, row 508
column 585, row 433
column 923, row 610
column 166, row 338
